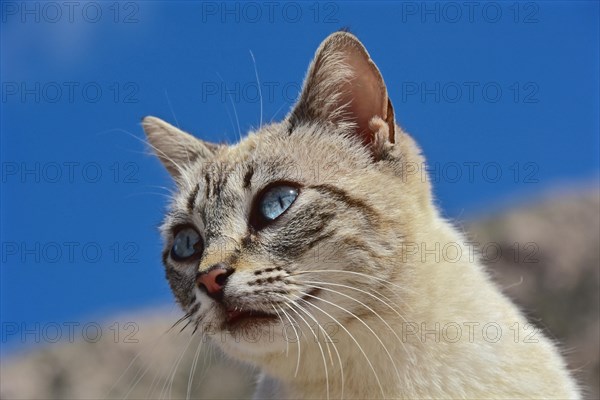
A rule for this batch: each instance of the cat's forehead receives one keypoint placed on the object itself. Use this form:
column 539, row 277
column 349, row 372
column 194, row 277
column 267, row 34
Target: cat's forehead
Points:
column 224, row 183
column 274, row 147
column 311, row 143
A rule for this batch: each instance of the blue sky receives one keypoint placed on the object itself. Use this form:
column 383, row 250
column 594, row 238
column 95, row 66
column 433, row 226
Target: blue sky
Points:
column 499, row 88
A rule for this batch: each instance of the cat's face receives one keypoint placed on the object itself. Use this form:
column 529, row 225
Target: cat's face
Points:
column 297, row 221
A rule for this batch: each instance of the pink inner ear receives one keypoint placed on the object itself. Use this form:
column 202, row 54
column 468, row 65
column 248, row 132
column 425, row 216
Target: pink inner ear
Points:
column 366, row 94
column 343, row 85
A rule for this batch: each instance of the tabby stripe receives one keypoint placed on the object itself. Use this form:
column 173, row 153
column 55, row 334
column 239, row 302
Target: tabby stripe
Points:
column 207, row 182
column 220, row 183
column 203, row 215
column 177, row 217
column 356, row 244
column 320, row 238
column 248, row 177
column 297, row 241
column 181, row 285
column 343, row 196
column 192, row 199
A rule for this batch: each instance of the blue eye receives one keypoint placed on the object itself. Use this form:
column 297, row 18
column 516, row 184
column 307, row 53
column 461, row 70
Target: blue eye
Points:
column 276, row 200
column 187, row 243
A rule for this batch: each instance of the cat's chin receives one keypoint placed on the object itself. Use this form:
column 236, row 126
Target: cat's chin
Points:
column 249, row 334
column 250, row 351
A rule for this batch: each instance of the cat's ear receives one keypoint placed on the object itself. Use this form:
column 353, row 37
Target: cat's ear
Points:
column 175, row 148
column 344, row 86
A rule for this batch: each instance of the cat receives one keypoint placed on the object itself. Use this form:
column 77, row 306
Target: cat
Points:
column 306, row 250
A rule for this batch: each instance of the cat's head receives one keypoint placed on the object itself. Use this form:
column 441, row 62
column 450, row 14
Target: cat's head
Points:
column 271, row 230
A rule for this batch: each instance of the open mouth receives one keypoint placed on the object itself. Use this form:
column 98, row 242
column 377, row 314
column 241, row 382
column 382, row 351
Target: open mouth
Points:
column 236, row 318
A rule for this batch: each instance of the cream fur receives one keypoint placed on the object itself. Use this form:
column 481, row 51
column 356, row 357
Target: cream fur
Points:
column 381, row 290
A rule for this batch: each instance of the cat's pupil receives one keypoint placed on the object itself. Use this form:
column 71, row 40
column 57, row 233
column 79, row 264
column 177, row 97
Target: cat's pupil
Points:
column 185, row 243
column 276, row 200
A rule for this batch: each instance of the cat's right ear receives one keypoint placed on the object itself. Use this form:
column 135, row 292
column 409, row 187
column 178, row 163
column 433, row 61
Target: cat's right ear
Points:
column 343, row 86
column 175, row 148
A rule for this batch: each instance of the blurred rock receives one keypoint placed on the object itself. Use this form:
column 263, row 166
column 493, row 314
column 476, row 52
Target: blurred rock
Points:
column 549, row 264
column 545, row 256
column 144, row 362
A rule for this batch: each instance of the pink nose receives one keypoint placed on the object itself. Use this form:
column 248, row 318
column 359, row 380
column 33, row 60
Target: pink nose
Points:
column 214, row 280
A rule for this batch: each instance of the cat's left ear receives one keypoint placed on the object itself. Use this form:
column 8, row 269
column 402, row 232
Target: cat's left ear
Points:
column 175, row 148
column 344, row 86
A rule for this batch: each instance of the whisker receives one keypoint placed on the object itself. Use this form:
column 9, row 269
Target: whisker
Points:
column 168, row 388
column 187, row 153
column 366, row 306
column 138, row 355
column 287, row 343
column 366, row 326
column 162, row 187
column 385, row 282
column 171, row 108
column 193, row 370
column 137, row 378
column 129, row 196
column 231, row 122
column 351, row 337
column 259, row 90
column 318, row 344
column 318, row 325
column 365, row 292
column 329, row 340
column 157, row 150
column 237, row 120
column 150, row 351
column 154, row 382
column 297, row 339
column 186, row 325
